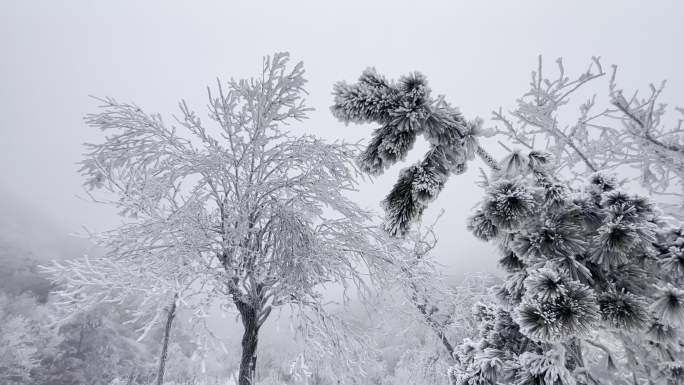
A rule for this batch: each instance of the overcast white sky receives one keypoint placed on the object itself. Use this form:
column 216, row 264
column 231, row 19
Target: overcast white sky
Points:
column 53, row 54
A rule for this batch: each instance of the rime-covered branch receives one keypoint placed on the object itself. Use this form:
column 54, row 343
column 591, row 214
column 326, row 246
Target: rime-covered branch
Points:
column 404, row 110
column 612, row 134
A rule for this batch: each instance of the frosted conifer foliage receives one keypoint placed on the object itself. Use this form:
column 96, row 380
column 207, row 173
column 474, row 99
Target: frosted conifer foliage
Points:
column 405, row 109
column 592, row 292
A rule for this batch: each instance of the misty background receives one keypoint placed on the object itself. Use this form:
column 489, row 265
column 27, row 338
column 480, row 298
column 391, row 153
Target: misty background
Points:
column 479, row 54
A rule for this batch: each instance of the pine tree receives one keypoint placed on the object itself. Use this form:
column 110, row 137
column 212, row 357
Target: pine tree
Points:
column 593, row 286
column 405, row 109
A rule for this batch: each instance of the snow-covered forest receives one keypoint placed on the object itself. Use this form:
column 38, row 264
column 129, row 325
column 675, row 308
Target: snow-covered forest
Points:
column 446, row 193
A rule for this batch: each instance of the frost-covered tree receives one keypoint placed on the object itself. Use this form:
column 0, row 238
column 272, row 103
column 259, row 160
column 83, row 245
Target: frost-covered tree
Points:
column 151, row 287
column 442, row 307
column 593, row 286
column 423, row 287
column 405, row 109
column 149, row 265
column 614, row 133
column 96, row 347
column 262, row 211
column 25, row 337
column 417, row 328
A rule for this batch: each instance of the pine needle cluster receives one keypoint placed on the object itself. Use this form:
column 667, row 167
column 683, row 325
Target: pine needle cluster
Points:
column 405, row 109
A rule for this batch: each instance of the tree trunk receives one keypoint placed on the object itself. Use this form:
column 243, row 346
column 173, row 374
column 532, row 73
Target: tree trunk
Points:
column 250, row 340
column 574, row 356
column 434, row 325
column 171, row 313
column 422, row 308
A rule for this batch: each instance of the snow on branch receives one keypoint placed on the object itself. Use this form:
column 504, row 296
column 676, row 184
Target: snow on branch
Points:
column 405, row 109
column 613, row 134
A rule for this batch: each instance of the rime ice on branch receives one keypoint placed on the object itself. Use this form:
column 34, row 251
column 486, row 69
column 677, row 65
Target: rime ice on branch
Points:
column 613, row 133
column 404, row 110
